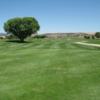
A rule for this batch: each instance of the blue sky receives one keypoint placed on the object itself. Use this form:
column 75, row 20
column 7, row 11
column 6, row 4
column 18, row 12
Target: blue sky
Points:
column 55, row 15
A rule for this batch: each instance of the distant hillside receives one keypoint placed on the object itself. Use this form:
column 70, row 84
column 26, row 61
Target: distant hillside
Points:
column 3, row 34
column 69, row 34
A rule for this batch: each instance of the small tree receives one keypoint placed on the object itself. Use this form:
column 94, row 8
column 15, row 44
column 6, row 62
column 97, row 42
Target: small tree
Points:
column 22, row 27
column 97, row 35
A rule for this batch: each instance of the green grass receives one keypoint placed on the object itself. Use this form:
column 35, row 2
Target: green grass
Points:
column 49, row 69
column 94, row 41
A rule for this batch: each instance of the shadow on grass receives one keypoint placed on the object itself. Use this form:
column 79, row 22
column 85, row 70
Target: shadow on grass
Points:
column 17, row 41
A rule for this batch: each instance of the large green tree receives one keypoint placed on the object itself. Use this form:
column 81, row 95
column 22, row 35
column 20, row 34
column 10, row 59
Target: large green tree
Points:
column 22, row 27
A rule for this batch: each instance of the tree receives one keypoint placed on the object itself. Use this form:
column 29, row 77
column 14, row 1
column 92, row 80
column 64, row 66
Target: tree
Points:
column 22, row 27
column 97, row 35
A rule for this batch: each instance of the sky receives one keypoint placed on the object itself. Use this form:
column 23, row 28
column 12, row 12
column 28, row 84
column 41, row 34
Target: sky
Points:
column 55, row 15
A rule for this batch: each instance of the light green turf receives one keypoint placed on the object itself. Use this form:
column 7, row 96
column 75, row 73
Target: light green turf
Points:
column 95, row 41
column 49, row 69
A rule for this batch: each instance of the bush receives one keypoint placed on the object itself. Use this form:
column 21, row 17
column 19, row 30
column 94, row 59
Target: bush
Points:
column 2, row 37
column 40, row 36
column 87, row 37
column 97, row 35
column 11, row 36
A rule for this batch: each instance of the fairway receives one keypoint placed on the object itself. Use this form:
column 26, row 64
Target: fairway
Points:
column 49, row 69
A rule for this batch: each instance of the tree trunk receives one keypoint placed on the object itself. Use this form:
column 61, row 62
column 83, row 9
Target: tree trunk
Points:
column 21, row 40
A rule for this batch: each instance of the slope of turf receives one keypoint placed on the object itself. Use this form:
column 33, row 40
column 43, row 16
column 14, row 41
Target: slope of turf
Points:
column 95, row 41
column 49, row 69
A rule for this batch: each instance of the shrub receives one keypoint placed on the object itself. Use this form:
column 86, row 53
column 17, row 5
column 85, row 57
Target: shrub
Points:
column 40, row 36
column 11, row 36
column 97, row 35
column 87, row 37
column 2, row 37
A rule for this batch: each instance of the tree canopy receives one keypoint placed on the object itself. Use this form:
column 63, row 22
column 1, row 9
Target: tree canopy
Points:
column 22, row 27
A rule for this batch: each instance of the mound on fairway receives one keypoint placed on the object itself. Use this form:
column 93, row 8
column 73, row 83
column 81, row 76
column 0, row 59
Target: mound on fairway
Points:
column 49, row 69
